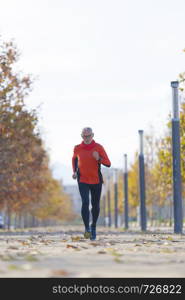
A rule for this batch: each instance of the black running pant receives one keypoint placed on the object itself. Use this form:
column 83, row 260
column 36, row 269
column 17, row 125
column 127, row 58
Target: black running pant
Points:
column 95, row 190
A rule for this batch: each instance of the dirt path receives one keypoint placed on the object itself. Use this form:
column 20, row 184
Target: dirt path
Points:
column 63, row 252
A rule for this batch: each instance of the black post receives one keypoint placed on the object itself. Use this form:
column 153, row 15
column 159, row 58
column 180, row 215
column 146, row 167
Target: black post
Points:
column 108, row 202
column 125, row 175
column 142, row 184
column 104, row 210
column 177, row 199
column 115, row 199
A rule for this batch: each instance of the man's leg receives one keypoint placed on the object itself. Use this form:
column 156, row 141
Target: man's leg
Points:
column 95, row 202
column 84, row 192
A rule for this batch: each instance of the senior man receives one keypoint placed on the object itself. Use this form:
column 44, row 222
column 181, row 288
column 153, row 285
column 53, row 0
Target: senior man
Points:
column 86, row 162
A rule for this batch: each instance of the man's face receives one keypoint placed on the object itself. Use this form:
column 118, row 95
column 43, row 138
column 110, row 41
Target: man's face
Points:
column 87, row 137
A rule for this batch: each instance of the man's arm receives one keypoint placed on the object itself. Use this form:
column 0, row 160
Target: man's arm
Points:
column 74, row 164
column 103, row 157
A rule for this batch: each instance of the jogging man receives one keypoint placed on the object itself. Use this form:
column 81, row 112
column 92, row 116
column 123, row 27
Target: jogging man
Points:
column 86, row 162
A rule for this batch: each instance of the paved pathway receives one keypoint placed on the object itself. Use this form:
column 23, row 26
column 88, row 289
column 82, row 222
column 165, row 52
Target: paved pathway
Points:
column 63, row 252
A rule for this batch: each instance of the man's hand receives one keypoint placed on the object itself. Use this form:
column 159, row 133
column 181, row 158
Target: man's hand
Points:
column 74, row 176
column 96, row 155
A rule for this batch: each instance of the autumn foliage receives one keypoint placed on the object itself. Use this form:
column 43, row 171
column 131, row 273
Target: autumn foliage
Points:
column 26, row 181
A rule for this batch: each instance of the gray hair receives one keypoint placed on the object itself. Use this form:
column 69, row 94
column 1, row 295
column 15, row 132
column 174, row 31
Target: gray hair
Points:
column 89, row 129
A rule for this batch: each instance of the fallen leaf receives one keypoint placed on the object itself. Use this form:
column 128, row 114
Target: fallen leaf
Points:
column 7, row 257
column 13, row 248
column 118, row 260
column 110, row 249
column 169, row 238
column 75, row 238
column 24, row 243
column 101, row 252
column 94, row 244
column 167, row 251
column 30, row 257
column 114, row 252
column 60, row 273
column 13, row 267
column 32, row 238
column 71, row 246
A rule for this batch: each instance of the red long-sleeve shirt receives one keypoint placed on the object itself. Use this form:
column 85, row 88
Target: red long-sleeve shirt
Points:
column 87, row 167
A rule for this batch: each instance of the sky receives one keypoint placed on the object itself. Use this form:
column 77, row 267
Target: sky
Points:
column 106, row 64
